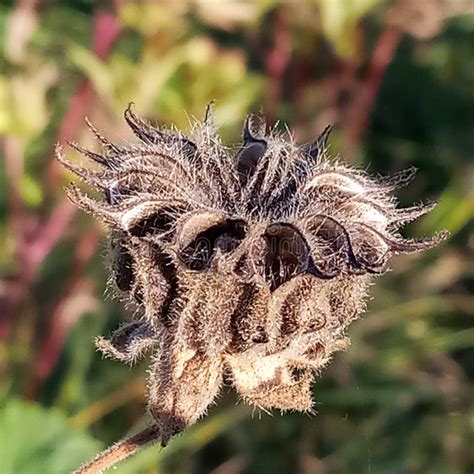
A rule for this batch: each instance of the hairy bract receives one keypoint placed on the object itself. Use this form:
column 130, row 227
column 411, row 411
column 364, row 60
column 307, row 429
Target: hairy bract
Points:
column 246, row 265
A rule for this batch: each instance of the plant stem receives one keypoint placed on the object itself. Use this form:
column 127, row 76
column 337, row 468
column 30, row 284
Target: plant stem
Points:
column 120, row 451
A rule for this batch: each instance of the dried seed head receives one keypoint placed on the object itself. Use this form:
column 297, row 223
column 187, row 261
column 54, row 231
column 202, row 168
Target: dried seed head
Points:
column 252, row 265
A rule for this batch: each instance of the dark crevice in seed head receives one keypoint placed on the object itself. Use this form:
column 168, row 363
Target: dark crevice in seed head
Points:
column 225, row 236
column 156, row 223
column 123, row 267
column 288, row 254
column 167, row 267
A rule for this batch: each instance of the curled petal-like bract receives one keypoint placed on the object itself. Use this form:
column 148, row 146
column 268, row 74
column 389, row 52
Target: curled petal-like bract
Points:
column 249, row 265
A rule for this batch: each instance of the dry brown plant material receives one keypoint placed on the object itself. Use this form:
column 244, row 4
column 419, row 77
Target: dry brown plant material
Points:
column 249, row 265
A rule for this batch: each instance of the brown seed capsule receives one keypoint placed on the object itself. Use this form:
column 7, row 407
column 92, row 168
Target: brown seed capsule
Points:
column 249, row 265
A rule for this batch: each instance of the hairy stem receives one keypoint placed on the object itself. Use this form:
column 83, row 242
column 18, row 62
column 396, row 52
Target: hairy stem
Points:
column 120, row 451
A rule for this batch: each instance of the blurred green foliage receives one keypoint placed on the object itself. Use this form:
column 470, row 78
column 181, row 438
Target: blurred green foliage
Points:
column 399, row 87
column 43, row 441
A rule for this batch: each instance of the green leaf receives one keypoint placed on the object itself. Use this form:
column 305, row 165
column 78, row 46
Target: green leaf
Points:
column 40, row 440
column 31, row 191
column 96, row 70
column 339, row 20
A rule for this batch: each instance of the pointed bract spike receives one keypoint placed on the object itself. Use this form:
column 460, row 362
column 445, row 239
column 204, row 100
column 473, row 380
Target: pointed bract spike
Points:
column 209, row 115
column 158, row 178
column 84, row 202
column 409, row 214
column 408, row 245
column 101, row 159
column 316, row 148
column 106, row 143
column 143, row 130
column 58, row 153
column 248, row 136
column 79, row 171
column 400, row 179
column 149, row 134
column 85, row 174
column 322, row 140
column 249, row 154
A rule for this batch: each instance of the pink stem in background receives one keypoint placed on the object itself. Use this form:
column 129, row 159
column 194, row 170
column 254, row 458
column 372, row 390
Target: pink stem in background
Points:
column 106, row 32
column 61, row 320
column 277, row 62
column 70, row 124
column 33, row 252
column 13, row 153
column 13, row 148
column 49, row 234
column 363, row 104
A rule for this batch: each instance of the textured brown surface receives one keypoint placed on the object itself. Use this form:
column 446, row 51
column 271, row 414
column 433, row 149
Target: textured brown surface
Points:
column 252, row 265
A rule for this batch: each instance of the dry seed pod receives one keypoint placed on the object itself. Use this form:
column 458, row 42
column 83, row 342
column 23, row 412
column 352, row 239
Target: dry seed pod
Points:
column 251, row 265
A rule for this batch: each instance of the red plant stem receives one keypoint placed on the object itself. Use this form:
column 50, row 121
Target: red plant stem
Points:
column 361, row 109
column 60, row 322
column 106, row 32
column 48, row 233
column 13, row 148
column 120, row 451
column 16, row 285
column 276, row 62
column 72, row 121
column 13, row 153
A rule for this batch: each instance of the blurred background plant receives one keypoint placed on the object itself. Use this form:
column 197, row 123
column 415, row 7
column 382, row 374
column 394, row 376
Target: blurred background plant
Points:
column 397, row 80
